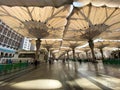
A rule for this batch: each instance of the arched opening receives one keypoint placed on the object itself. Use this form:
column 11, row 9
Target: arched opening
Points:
column 6, row 54
column 10, row 55
column 2, row 54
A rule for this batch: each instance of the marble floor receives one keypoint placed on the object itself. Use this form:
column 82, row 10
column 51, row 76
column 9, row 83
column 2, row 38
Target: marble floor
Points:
column 66, row 76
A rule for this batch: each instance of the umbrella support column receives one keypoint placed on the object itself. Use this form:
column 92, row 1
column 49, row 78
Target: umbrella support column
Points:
column 38, row 43
column 91, row 45
column 73, row 49
column 101, row 51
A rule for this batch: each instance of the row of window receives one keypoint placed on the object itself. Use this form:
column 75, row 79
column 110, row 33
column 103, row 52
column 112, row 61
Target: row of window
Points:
column 8, row 37
column 9, row 33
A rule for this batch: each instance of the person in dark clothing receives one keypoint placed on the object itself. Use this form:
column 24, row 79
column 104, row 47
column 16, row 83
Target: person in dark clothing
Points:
column 50, row 61
column 35, row 63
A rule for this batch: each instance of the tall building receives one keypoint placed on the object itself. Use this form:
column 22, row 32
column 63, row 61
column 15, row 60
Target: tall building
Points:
column 9, row 40
column 25, row 44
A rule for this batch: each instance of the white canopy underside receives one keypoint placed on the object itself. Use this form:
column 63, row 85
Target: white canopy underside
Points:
column 64, row 22
column 57, row 3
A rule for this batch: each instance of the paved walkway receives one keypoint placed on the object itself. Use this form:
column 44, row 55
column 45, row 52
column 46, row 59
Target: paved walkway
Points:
column 66, row 76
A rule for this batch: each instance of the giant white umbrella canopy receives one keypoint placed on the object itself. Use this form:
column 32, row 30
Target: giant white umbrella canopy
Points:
column 115, row 44
column 57, row 3
column 108, row 3
column 51, row 43
column 66, row 49
column 88, row 23
column 36, row 22
column 72, row 45
column 32, row 19
column 38, row 3
column 112, row 35
column 100, row 45
column 85, row 49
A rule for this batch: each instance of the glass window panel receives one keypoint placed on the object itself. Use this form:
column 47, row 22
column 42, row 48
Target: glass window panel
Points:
column 1, row 28
column 5, row 31
column 2, row 38
column 8, row 34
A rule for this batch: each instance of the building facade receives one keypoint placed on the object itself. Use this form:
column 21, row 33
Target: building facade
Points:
column 25, row 44
column 9, row 39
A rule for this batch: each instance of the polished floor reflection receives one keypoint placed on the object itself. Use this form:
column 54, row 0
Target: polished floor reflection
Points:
column 66, row 76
